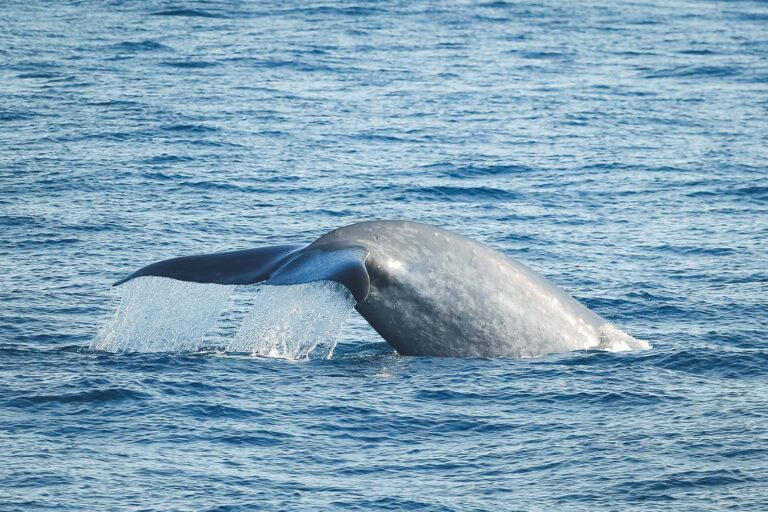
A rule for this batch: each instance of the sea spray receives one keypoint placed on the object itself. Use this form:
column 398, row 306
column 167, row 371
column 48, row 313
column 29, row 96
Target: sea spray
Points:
column 614, row 340
column 294, row 322
column 157, row 314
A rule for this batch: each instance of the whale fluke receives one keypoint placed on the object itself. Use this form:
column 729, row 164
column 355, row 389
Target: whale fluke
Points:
column 279, row 265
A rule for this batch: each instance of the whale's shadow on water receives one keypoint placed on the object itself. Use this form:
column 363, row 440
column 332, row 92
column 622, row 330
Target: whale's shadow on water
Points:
column 427, row 291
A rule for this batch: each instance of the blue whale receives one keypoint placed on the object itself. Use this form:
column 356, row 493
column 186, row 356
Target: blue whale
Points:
column 427, row 291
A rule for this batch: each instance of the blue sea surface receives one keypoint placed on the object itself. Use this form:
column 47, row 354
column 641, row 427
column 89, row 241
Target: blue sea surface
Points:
column 618, row 148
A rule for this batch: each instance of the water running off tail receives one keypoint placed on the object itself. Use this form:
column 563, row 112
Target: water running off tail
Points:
column 157, row 314
column 294, row 322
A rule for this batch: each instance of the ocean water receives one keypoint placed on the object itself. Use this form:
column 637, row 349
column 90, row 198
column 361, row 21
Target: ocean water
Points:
column 617, row 148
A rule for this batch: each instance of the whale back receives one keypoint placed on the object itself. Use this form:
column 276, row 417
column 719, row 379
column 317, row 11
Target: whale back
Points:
column 435, row 292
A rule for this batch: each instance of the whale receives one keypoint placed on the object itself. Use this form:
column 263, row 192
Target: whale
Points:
column 426, row 290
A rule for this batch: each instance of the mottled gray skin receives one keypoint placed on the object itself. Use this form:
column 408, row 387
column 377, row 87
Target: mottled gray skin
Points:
column 434, row 292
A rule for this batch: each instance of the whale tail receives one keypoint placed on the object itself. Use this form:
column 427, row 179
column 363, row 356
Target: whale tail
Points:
column 279, row 265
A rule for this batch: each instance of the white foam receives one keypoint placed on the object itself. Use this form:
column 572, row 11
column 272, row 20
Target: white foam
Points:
column 615, row 340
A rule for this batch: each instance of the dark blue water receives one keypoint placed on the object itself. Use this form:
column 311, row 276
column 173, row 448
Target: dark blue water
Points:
column 619, row 149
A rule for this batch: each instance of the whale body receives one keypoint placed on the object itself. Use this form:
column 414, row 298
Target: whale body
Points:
column 427, row 291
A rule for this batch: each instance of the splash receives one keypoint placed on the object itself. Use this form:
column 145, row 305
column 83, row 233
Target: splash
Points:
column 157, row 314
column 614, row 340
column 295, row 322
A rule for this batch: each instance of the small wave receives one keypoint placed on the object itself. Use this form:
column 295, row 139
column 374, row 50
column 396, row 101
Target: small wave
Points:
column 141, row 46
column 94, row 395
column 353, row 10
column 208, row 410
column 601, row 396
column 272, row 133
column 695, row 51
column 444, row 395
column 47, row 242
column 684, row 249
column 16, row 115
column 189, row 64
column 362, row 351
column 751, row 16
column 542, row 55
column 110, row 136
column 498, row 4
column 215, row 185
column 116, row 103
column 291, row 64
column 695, row 72
column 18, row 349
column 189, row 128
column 163, row 176
column 754, row 192
column 188, row 13
column 254, row 438
column 759, row 79
column 377, row 137
column 719, row 362
column 168, row 159
column 27, row 221
column 636, row 306
column 475, row 171
column 687, row 480
column 40, row 74
column 445, row 192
